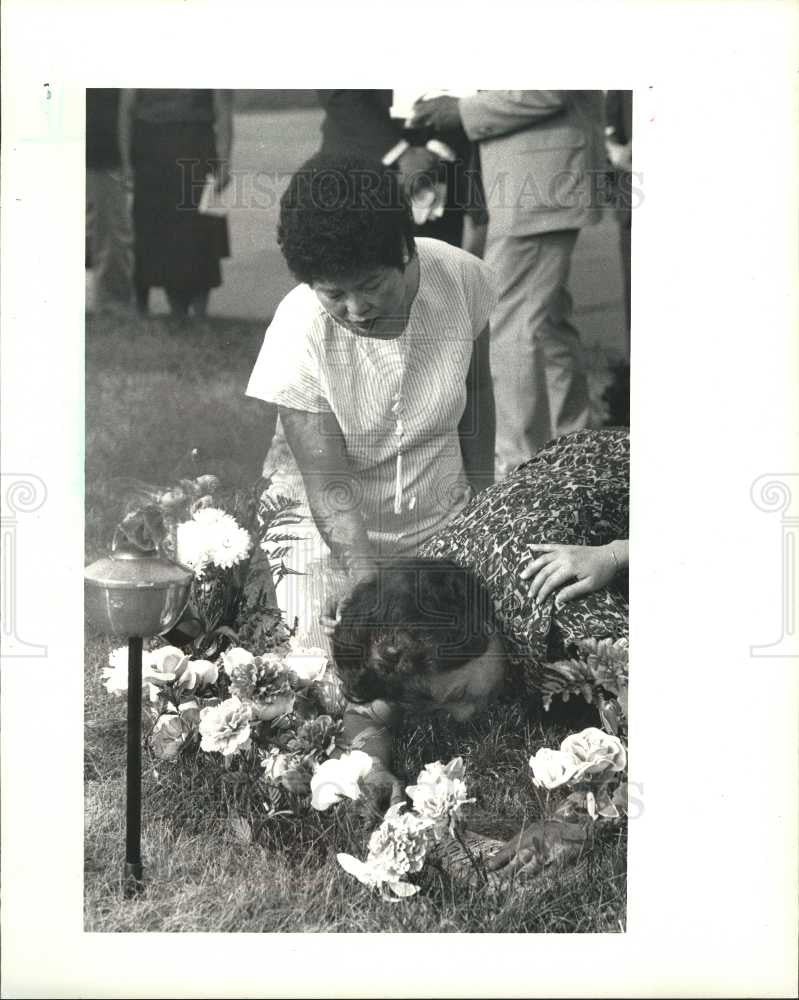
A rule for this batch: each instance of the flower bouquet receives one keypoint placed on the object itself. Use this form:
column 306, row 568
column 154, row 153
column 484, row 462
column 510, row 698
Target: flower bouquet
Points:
column 233, row 540
column 230, row 683
column 590, row 762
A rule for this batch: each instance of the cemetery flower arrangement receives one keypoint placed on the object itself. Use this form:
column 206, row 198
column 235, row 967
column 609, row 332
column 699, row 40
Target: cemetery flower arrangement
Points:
column 231, row 686
column 231, row 681
column 592, row 764
column 233, row 540
column 272, row 714
column 399, row 846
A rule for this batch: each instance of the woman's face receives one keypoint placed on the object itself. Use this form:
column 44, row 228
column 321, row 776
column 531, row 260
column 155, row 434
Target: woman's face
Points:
column 469, row 689
column 371, row 303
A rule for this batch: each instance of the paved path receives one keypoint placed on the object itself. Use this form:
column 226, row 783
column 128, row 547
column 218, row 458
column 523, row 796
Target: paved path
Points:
column 269, row 146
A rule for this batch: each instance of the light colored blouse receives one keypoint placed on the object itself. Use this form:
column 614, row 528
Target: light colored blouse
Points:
column 310, row 362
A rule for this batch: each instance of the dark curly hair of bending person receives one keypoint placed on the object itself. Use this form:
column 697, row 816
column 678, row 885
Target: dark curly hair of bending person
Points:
column 341, row 216
column 412, row 619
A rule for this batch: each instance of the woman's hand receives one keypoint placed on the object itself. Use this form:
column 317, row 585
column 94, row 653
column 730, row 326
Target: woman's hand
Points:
column 570, row 570
column 381, row 789
column 540, row 844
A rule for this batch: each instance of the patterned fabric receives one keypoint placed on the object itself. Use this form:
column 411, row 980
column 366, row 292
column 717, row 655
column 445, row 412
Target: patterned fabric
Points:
column 309, row 362
column 574, row 492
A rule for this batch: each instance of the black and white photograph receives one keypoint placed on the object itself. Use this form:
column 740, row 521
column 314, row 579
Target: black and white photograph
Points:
column 357, row 500
column 399, row 507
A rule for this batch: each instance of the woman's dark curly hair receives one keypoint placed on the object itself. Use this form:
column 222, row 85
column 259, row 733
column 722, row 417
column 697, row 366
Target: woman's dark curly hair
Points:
column 341, row 216
column 412, row 619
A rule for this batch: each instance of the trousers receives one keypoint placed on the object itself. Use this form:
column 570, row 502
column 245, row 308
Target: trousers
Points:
column 110, row 238
column 540, row 385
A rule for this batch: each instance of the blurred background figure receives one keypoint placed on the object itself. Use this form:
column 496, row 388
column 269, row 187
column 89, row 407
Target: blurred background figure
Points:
column 170, row 141
column 541, row 152
column 619, row 147
column 109, row 240
column 438, row 167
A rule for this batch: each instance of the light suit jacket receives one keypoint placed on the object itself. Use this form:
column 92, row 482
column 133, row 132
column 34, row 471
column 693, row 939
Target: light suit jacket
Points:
column 542, row 154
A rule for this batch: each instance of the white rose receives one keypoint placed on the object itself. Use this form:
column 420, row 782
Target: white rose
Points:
column 237, row 656
column 196, row 674
column 339, row 778
column 308, row 664
column 596, row 752
column 552, row 768
column 164, row 660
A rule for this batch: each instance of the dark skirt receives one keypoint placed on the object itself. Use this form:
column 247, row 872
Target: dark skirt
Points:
column 175, row 246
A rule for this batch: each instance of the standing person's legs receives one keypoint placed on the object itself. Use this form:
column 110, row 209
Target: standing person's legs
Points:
column 624, row 215
column 199, row 303
column 111, row 239
column 567, row 384
column 518, row 363
column 179, row 301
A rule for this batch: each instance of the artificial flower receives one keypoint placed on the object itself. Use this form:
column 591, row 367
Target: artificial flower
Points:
column 374, row 873
column 226, row 542
column 404, row 837
column 552, row 768
column 230, row 544
column 168, row 736
column 339, row 778
column 115, row 675
column 307, row 663
column 206, row 484
column 396, row 849
column 265, row 709
column 242, row 670
column 440, row 791
column 164, row 659
column 189, row 710
column 236, row 656
column 192, row 546
column 192, row 674
column 286, row 770
column 317, row 735
column 158, row 668
column 225, row 728
column 596, row 752
column 275, row 765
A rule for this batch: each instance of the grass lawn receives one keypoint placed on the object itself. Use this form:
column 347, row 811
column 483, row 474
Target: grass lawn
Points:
column 213, row 861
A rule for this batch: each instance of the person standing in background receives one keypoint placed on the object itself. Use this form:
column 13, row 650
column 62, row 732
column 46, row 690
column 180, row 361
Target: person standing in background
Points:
column 170, row 142
column 541, row 152
column 109, row 239
column 619, row 146
column 372, row 123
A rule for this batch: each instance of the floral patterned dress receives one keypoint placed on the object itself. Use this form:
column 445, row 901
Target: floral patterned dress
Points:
column 575, row 491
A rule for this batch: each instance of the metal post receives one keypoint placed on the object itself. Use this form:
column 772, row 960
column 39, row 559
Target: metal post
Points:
column 133, row 862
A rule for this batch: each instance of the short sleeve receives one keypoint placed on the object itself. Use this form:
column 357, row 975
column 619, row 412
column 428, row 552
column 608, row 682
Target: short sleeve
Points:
column 480, row 289
column 288, row 370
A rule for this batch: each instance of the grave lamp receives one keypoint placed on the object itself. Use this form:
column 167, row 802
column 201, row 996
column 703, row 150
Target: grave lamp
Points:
column 135, row 592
